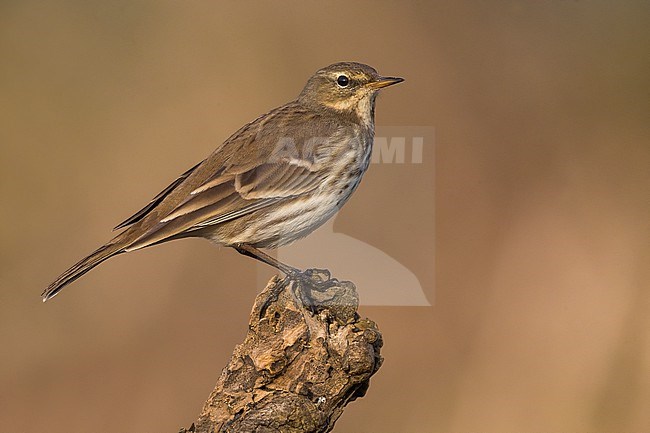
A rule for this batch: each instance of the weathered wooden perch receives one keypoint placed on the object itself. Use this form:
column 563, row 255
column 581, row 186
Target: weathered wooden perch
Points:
column 307, row 355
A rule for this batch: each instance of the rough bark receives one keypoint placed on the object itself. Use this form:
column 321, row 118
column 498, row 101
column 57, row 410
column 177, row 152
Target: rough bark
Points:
column 307, row 355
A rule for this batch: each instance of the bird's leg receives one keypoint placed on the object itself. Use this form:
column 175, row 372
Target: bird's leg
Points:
column 318, row 279
column 292, row 272
column 253, row 252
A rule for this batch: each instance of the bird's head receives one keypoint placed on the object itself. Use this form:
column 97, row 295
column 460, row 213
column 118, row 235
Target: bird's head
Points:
column 347, row 88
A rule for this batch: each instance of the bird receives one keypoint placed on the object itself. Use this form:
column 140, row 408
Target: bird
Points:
column 273, row 181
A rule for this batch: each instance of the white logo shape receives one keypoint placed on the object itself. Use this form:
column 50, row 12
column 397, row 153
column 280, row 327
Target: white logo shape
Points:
column 379, row 278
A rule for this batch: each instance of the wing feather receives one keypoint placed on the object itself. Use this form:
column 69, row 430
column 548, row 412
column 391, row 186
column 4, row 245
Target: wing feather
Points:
column 237, row 196
column 200, row 200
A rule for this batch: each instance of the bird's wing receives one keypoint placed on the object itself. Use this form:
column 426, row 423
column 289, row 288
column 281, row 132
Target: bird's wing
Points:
column 234, row 196
column 248, row 173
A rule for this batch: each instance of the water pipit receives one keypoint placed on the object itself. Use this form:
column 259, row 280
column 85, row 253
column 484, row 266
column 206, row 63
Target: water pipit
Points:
column 273, row 181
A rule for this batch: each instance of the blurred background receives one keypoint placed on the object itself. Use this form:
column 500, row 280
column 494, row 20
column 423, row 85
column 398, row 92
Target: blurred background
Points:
column 535, row 266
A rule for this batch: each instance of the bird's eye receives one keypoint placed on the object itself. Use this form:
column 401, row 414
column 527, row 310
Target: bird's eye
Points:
column 343, row 81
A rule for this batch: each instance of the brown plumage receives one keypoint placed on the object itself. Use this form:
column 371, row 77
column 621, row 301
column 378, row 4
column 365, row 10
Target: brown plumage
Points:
column 273, row 181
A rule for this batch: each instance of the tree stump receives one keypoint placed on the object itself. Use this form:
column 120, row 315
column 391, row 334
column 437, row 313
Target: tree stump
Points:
column 307, row 354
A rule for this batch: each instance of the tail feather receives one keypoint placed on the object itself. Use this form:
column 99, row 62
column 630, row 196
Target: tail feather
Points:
column 103, row 253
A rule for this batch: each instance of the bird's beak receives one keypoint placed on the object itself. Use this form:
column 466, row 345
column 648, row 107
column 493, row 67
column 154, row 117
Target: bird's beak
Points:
column 385, row 82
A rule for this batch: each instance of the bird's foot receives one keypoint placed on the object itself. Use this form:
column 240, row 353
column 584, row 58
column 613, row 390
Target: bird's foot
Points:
column 319, row 279
column 318, row 291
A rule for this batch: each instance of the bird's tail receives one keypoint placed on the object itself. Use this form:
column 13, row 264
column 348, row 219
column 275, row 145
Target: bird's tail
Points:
column 103, row 253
